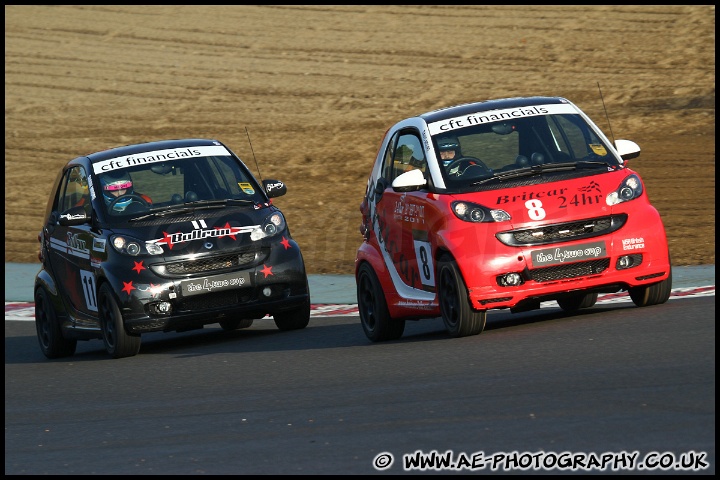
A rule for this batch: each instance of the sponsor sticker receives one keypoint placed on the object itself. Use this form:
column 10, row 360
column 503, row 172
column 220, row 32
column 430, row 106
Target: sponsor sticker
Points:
column 159, row 156
column 215, row 283
column 246, row 187
column 568, row 254
column 490, row 116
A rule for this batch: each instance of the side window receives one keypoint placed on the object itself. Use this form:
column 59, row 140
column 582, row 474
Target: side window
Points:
column 408, row 155
column 75, row 191
column 387, row 168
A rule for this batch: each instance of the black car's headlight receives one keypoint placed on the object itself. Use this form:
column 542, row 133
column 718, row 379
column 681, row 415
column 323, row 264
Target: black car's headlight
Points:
column 272, row 225
column 629, row 189
column 476, row 213
column 128, row 245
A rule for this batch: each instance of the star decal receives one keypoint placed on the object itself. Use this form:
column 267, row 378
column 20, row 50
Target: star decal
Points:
column 155, row 289
column 167, row 240
column 228, row 227
column 128, row 286
column 138, row 266
column 266, row 270
column 286, row 243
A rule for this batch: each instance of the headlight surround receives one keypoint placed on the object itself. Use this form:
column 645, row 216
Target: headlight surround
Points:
column 630, row 189
column 272, row 225
column 476, row 213
column 127, row 245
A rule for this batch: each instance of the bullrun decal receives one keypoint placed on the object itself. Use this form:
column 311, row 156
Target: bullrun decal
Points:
column 200, row 232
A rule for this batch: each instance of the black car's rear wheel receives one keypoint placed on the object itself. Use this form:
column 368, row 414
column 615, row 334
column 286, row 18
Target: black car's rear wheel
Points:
column 118, row 342
column 372, row 307
column 460, row 319
column 52, row 342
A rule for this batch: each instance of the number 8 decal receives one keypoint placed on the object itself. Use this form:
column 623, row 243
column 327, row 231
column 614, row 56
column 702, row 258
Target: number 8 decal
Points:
column 535, row 210
column 423, row 254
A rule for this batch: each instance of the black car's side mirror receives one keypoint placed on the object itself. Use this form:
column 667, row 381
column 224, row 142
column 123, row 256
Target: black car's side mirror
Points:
column 274, row 188
column 74, row 216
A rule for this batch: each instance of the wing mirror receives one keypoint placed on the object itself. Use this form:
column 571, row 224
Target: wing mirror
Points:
column 627, row 149
column 73, row 216
column 409, row 181
column 274, row 188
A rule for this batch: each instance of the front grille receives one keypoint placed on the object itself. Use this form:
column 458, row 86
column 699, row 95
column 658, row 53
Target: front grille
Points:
column 573, row 270
column 562, row 232
column 212, row 264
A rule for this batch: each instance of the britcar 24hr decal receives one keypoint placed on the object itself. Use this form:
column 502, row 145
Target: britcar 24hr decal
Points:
column 200, row 232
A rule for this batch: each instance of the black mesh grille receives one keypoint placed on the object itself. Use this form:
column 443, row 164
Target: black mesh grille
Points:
column 211, row 264
column 561, row 272
column 562, row 232
column 214, row 300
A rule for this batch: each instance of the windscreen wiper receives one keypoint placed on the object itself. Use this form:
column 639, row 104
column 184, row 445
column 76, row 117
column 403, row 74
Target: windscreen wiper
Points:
column 540, row 169
column 191, row 207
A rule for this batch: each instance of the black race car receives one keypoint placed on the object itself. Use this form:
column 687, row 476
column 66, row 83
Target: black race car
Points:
column 163, row 236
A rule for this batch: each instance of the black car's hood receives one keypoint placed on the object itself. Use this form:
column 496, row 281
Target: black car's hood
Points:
column 200, row 232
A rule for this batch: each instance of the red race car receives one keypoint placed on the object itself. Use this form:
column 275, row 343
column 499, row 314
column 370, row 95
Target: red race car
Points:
column 503, row 204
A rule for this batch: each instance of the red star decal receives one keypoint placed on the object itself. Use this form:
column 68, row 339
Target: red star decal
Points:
column 155, row 289
column 138, row 266
column 166, row 240
column 286, row 243
column 227, row 226
column 128, row 286
column 266, row 270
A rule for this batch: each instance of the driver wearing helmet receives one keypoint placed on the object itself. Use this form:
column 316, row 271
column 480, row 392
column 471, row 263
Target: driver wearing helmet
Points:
column 119, row 185
column 449, row 149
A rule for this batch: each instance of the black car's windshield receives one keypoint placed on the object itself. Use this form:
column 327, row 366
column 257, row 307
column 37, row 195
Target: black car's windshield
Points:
column 177, row 186
column 536, row 145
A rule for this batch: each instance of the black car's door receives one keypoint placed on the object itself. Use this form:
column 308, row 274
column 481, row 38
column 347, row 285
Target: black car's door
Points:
column 70, row 245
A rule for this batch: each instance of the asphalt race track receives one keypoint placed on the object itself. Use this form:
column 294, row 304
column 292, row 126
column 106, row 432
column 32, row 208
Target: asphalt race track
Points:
column 614, row 385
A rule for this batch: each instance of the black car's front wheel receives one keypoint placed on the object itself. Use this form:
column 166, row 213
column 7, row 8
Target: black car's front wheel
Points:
column 293, row 319
column 118, row 342
column 236, row 323
column 460, row 319
column 373, row 309
column 52, row 342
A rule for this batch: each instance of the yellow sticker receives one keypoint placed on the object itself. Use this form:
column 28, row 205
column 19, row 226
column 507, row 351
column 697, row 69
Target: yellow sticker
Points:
column 246, row 187
column 598, row 149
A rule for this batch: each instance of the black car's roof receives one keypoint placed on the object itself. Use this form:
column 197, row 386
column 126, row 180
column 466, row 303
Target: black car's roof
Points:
column 468, row 108
column 149, row 147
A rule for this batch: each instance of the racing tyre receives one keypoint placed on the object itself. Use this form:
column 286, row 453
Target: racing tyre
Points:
column 52, row 342
column 374, row 315
column 236, row 323
column 293, row 319
column 118, row 342
column 654, row 294
column 578, row 301
column 458, row 315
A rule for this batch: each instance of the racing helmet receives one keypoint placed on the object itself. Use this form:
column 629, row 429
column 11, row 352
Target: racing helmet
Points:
column 112, row 182
column 449, row 144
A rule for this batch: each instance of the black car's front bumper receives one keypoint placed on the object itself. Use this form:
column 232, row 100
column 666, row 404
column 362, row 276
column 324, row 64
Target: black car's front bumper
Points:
column 277, row 282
